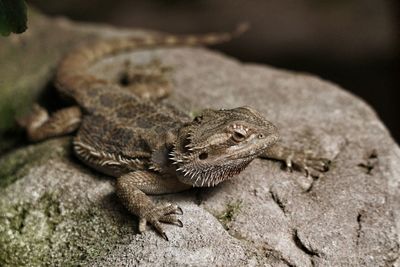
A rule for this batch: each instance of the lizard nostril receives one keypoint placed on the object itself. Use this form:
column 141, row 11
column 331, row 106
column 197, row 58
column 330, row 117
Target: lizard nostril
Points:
column 203, row 156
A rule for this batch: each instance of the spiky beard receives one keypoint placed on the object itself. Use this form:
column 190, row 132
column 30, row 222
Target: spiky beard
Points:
column 199, row 174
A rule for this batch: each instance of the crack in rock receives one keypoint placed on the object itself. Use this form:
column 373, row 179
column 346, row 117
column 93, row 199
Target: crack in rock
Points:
column 359, row 228
column 278, row 201
column 310, row 252
column 277, row 255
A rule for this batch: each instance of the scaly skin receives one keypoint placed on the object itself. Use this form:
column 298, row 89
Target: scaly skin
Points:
column 151, row 148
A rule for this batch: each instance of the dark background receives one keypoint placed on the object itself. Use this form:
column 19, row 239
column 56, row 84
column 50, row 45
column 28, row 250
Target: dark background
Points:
column 353, row 43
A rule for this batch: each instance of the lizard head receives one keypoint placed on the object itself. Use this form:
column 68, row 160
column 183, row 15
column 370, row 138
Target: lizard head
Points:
column 218, row 144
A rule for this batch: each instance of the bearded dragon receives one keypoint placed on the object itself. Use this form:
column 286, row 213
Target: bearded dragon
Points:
column 152, row 148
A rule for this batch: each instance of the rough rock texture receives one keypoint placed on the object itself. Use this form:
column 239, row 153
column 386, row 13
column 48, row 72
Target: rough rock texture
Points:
column 54, row 211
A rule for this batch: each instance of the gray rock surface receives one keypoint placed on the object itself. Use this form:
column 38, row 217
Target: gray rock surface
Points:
column 54, row 211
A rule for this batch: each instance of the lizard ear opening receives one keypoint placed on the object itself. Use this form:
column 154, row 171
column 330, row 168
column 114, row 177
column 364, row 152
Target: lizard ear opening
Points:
column 124, row 80
column 203, row 156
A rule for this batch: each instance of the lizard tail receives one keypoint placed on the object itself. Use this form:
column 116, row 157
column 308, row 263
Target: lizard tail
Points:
column 72, row 78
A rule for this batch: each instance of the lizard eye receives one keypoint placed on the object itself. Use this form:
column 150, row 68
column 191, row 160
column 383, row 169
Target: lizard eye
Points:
column 238, row 137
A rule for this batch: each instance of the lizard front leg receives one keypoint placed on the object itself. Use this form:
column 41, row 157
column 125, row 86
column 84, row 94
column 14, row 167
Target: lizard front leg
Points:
column 132, row 188
column 299, row 160
column 39, row 125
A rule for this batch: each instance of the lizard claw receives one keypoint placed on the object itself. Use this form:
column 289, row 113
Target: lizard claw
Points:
column 160, row 230
column 306, row 171
column 289, row 162
column 157, row 225
column 311, row 166
column 164, row 235
column 180, row 211
column 179, row 223
column 164, row 213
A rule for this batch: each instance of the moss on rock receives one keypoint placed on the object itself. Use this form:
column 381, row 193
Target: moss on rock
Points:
column 44, row 233
column 229, row 214
column 16, row 164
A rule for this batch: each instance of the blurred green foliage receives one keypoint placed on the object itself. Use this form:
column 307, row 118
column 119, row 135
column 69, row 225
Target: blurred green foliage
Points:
column 12, row 16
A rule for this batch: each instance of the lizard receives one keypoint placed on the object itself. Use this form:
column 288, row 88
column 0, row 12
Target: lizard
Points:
column 151, row 147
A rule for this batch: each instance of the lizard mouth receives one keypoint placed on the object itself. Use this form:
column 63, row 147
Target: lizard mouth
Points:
column 205, row 167
column 199, row 175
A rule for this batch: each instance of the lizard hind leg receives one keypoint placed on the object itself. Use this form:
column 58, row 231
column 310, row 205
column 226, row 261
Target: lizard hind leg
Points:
column 39, row 125
column 149, row 81
column 131, row 188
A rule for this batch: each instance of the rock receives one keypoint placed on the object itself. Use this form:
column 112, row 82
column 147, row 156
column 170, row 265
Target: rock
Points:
column 55, row 211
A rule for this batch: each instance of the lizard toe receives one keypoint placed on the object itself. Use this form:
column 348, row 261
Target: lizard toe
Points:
column 319, row 164
column 164, row 213
column 172, row 219
column 168, row 208
column 157, row 225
